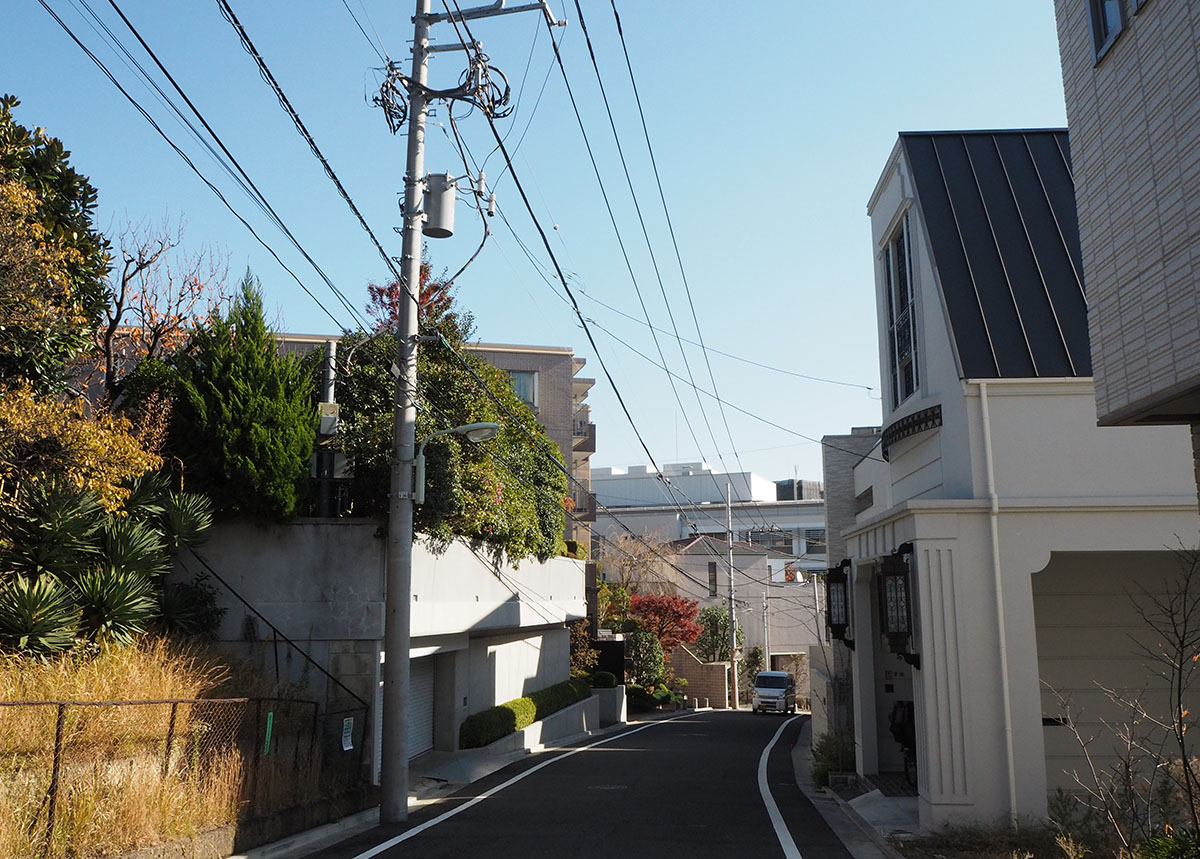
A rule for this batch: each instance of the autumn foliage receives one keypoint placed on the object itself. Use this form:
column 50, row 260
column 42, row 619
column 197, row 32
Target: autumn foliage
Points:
column 672, row 619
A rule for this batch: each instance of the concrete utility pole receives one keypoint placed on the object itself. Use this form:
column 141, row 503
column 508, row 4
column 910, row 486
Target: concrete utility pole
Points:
column 766, row 635
column 393, row 777
column 732, row 611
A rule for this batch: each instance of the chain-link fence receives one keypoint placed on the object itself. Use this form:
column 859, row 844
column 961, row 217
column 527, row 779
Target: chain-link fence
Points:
column 117, row 773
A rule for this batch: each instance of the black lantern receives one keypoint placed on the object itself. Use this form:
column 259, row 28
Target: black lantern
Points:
column 895, row 604
column 837, row 602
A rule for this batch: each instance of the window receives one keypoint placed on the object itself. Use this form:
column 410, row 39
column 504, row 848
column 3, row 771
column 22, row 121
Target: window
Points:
column 902, row 316
column 524, row 383
column 1108, row 19
column 814, row 541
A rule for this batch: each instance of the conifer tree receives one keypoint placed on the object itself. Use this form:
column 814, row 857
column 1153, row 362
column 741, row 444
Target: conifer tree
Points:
column 245, row 420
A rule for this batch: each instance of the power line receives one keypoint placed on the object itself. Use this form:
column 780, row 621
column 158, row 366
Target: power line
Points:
column 266, row 75
column 649, row 246
column 112, row 78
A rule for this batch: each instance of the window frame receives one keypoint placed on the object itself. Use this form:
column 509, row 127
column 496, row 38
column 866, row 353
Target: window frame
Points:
column 901, row 315
column 1098, row 25
column 533, row 386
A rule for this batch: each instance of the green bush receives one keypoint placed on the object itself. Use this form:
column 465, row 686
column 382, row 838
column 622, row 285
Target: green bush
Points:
column 831, row 753
column 604, row 680
column 650, row 697
column 495, row 723
column 646, row 652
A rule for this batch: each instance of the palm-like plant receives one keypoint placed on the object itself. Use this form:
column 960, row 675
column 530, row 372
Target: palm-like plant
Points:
column 52, row 530
column 37, row 616
column 185, row 518
column 116, row 605
column 134, row 546
column 147, row 495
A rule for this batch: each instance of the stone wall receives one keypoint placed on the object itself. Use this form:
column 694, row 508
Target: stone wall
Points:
column 705, row 679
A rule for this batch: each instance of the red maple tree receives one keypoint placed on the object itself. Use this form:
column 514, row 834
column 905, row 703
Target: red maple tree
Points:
column 671, row 618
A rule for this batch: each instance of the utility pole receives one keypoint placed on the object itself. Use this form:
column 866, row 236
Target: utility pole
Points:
column 393, row 777
column 732, row 611
column 766, row 635
column 393, row 805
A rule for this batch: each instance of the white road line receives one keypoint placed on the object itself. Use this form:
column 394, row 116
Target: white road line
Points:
column 429, row 824
column 790, row 851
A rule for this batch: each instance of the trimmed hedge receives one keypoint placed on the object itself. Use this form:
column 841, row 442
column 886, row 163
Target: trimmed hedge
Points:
column 495, row 723
column 604, row 680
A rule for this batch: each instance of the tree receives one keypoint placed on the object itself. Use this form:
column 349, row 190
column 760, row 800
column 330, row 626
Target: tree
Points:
column 712, row 645
column 583, row 656
column 154, row 298
column 646, row 653
column 43, row 440
column 52, row 260
column 508, row 493
column 638, row 564
column 245, row 420
column 613, row 604
column 748, row 671
column 672, row 619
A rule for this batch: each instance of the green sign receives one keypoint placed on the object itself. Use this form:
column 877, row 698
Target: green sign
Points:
column 270, row 722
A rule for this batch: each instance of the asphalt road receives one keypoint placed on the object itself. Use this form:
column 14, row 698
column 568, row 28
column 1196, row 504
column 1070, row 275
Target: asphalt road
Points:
column 687, row 786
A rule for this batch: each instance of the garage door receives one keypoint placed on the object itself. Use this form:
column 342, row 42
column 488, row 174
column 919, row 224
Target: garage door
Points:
column 420, row 712
column 420, row 708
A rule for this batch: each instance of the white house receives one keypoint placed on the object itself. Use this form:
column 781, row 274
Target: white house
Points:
column 1009, row 527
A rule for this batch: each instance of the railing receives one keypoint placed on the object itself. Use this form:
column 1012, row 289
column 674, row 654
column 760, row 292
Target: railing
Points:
column 213, row 760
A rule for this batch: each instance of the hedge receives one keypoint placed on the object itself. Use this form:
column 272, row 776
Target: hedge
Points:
column 487, row 726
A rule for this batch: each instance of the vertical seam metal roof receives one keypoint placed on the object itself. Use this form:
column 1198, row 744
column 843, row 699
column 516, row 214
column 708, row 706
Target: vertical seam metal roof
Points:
column 999, row 211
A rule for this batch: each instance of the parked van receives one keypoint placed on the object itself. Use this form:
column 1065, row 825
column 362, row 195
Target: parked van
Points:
column 775, row 691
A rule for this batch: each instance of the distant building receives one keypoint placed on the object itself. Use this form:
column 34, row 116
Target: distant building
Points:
column 546, row 378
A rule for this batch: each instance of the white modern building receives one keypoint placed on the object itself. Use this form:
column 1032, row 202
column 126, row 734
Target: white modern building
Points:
column 998, row 532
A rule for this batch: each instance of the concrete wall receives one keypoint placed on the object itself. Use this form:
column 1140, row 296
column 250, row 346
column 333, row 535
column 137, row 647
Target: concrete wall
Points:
column 495, row 632
column 1134, row 118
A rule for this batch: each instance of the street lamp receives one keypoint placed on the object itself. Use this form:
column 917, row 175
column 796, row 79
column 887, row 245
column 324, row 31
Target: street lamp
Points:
column 895, row 604
column 471, row 432
column 837, row 603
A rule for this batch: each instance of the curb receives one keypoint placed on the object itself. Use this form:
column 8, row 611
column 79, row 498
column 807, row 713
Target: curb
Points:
column 867, row 829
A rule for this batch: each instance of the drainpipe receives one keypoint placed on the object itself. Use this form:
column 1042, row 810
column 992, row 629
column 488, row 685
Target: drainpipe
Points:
column 998, row 581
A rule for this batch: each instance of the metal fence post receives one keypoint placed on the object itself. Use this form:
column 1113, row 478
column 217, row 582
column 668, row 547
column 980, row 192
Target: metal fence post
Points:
column 53, row 789
column 166, row 767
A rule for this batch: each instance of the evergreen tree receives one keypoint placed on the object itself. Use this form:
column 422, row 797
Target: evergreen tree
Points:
column 52, row 260
column 244, row 423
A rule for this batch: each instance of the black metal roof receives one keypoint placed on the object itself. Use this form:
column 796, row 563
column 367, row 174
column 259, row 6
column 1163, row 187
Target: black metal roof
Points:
column 999, row 208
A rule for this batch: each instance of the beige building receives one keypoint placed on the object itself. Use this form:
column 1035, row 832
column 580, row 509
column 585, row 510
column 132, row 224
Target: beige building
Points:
column 1131, row 76
column 546, row 378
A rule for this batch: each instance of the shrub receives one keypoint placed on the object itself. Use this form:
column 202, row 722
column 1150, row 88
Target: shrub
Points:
column 831, row 753
column 647, row 655
column 495, row 723
column 650, row 698
column 604, row 680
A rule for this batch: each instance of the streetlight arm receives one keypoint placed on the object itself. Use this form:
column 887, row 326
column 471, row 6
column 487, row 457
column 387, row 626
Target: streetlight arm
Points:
column 476, row 432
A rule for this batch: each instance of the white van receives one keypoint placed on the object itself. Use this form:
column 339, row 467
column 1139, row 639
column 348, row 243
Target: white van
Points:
column 775, row 691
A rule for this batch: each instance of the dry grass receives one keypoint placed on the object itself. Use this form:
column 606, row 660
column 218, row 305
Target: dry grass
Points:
column 119, row 787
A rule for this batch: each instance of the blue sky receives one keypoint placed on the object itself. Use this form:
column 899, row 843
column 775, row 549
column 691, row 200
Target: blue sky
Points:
column 769, row 128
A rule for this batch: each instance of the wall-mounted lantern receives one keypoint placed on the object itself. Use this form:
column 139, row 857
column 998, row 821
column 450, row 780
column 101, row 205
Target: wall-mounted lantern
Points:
column 895, row 604
column 837, row 602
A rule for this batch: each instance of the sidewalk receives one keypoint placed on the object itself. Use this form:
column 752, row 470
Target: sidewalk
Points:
column 862, row 823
